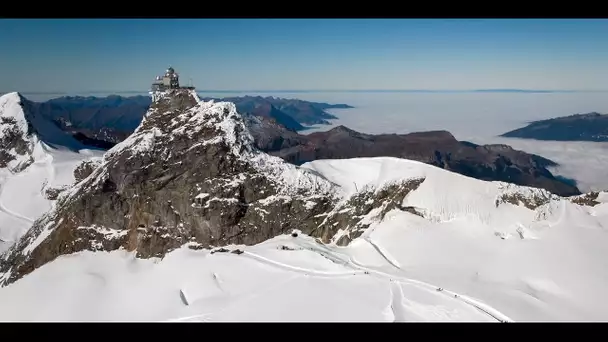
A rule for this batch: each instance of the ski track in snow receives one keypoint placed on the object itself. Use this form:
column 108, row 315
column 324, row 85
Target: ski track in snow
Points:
column 397, row 307
column 203, row 317
column 383, row 253
column 50, row 170
column 305, row 271
column 404, row 280
column 11, row 213
column 48, row 162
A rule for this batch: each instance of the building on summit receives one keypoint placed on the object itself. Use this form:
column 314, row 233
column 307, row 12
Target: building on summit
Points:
column 170, row 80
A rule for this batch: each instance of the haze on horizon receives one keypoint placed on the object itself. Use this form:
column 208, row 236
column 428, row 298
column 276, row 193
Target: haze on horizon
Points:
column 54, row 55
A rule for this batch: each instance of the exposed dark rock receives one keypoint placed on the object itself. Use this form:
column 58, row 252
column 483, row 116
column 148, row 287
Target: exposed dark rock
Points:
column 412, row 210
column 220, row 250
column 85, row 168
column 531, row 202
column 53, row 193
column 93, row 142
column 588, row 199
column 373, row 203
column 196, row 246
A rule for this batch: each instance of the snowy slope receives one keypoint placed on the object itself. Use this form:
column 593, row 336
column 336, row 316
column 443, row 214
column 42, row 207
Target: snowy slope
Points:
column 469, row 258
column 265, row 283
column 23, row 197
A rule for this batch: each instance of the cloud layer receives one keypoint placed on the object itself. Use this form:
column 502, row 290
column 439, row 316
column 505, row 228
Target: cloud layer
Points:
column 585, row 162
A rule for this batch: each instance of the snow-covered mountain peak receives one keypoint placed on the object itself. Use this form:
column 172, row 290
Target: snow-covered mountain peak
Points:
column 10, row 104
column 23, row 131
column 179, row 114
column 16, row 141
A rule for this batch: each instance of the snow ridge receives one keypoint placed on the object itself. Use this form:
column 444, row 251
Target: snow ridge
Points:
column 443, row 196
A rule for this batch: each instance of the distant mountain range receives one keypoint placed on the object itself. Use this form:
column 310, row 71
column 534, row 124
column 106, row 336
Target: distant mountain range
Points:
column 578, row 127
column 291, row 113
column 104, row 121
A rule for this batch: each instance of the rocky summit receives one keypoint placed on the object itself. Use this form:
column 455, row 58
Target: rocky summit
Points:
column 189, row 174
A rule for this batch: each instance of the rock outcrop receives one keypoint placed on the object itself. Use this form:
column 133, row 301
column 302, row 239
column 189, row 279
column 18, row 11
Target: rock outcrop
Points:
column 85, row 169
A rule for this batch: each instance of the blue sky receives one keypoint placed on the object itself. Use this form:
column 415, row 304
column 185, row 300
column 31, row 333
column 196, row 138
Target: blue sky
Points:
column 321, row 54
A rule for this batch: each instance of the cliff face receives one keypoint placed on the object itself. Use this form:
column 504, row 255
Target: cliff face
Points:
column 188, row 174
